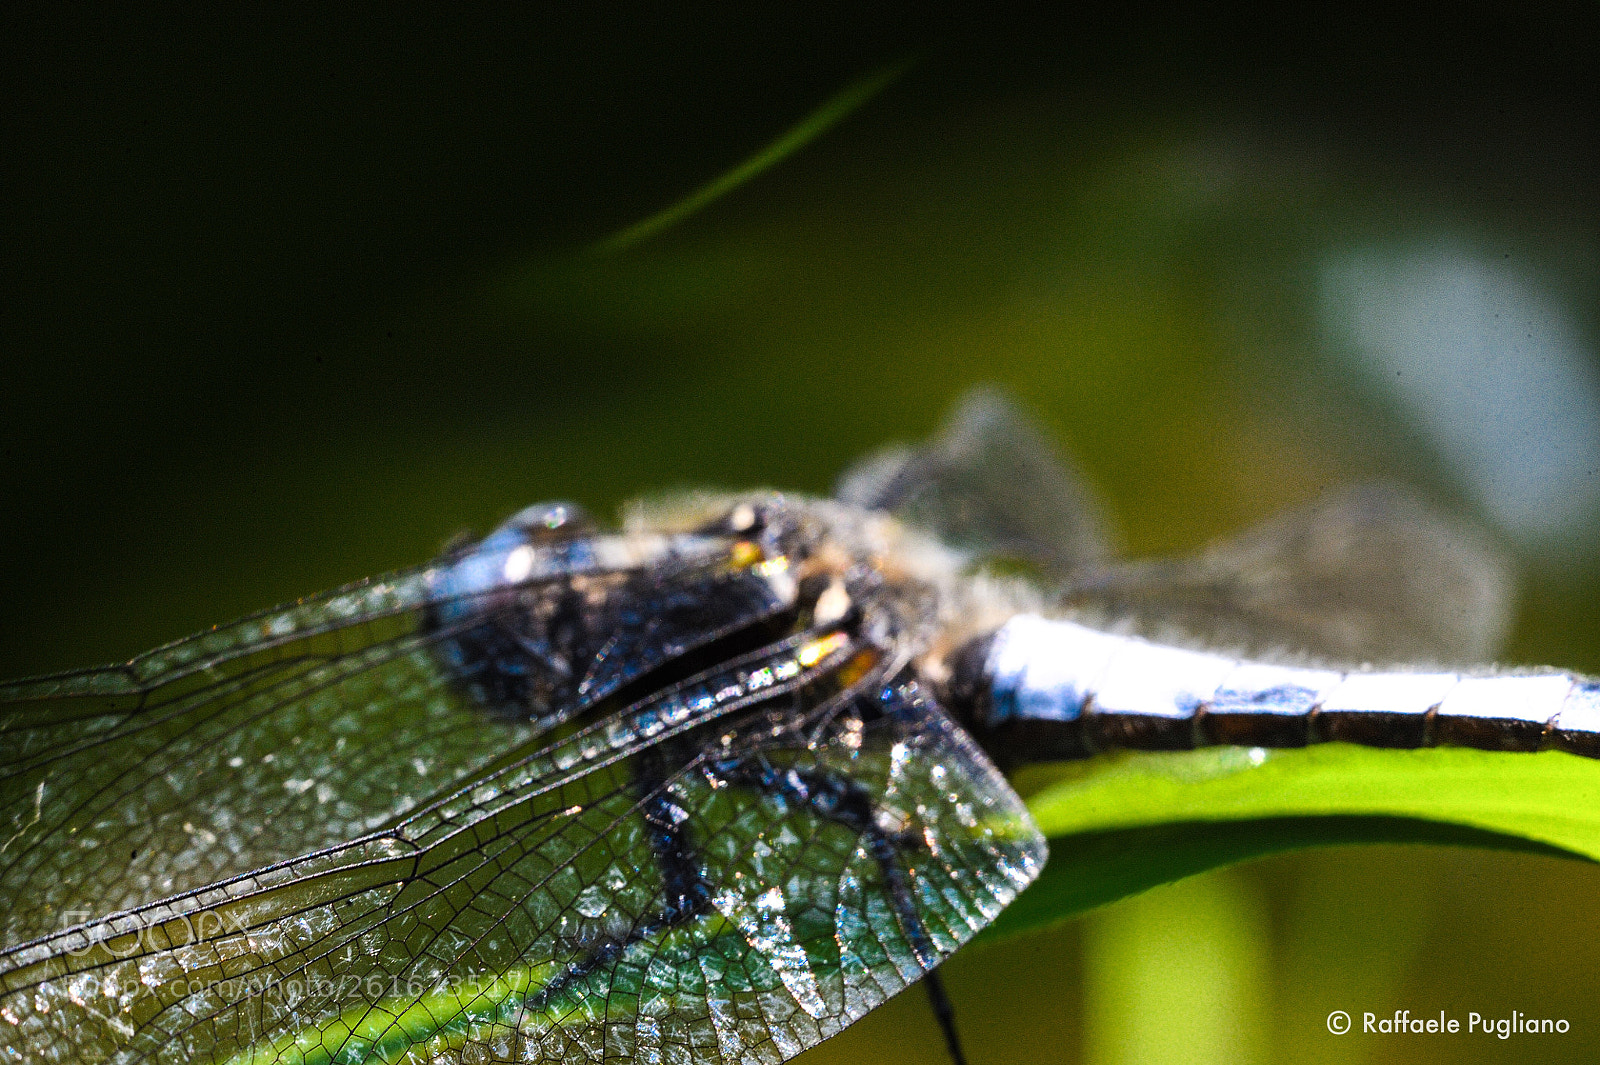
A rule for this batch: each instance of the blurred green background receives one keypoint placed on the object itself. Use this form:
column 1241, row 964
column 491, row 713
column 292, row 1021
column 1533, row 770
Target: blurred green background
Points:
column 289, row 300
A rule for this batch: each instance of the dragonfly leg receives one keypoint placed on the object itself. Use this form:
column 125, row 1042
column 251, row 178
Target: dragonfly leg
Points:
column 686, row 892
column 837, row 798
column 945, row 1013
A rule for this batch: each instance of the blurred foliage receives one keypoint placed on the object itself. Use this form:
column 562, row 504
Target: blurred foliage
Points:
column 290, row 301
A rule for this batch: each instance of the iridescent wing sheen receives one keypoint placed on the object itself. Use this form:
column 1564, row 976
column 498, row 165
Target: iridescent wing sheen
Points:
column 843, row 835
column 1367, row 574
column 989, row 483
column 294, row 730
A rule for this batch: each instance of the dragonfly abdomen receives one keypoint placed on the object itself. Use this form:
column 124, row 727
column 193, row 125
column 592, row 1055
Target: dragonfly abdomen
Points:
column 1040, row 689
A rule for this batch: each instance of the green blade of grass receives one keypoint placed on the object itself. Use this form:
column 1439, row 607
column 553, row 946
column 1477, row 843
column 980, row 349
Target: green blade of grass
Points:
column 832, row 111
column 1122, row 824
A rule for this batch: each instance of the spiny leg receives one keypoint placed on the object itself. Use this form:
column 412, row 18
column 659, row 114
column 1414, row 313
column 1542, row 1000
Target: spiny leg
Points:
column 843, row 801
column 687, row 893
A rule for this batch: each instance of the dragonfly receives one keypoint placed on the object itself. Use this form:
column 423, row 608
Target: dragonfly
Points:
column 706, row 787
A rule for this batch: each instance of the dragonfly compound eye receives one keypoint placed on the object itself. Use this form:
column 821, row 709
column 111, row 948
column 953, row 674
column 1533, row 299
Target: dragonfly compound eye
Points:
column 556, row 519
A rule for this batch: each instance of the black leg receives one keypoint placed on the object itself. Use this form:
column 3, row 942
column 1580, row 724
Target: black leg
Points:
column 843, row 801
column 946, row 1015
column 687, row 894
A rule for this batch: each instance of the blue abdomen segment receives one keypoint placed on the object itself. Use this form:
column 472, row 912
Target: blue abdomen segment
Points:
column 1057, row 689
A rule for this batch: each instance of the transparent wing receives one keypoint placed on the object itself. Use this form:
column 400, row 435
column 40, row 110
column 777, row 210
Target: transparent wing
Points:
column 989, row 483
column 1368, row 574
column 846, row 836
column 306, row 727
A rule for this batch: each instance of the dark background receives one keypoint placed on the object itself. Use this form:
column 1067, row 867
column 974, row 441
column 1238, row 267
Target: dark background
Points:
column 287, row 300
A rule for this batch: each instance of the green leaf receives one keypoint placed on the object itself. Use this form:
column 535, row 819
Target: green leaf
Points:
column 1121, row 824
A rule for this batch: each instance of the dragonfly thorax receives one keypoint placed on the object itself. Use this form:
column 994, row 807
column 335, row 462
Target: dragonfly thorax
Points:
column 933, row 596
column 546, row 612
